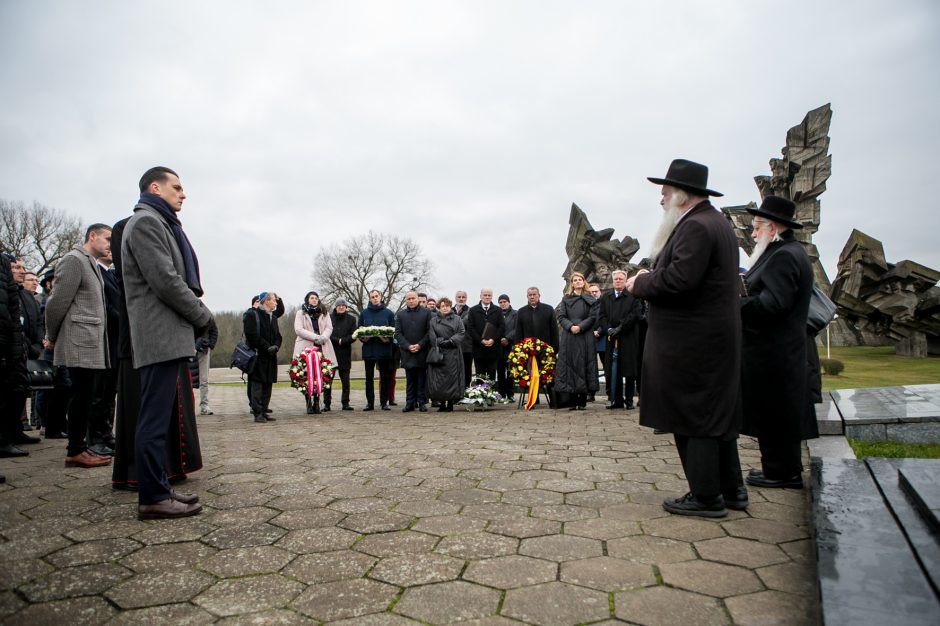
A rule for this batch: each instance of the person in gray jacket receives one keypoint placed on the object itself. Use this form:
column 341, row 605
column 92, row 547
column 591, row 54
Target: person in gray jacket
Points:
column 162, row 286
column 76, row 328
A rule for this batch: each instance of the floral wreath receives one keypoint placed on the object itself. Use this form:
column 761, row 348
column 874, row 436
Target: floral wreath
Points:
column 298, row 371
column 521, row 356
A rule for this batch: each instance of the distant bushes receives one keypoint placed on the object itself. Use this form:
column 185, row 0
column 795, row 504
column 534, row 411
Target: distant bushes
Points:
column 831, row 367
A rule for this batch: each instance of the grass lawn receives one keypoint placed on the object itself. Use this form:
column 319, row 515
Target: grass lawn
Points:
column 879, row 367
column 895, row 449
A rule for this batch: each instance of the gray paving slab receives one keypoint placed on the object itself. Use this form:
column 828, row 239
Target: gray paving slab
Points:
column 486, row 518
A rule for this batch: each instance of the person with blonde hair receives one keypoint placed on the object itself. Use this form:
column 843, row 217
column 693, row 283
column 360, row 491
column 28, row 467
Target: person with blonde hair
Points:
column 576, row 372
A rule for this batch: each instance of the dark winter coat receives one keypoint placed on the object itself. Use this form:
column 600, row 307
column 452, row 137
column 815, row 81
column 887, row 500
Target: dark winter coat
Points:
column 576, row 371
column 623, row 315
column 445, row 380
column 692, row 358
column 774, row 381
column 343, row 327
column 538, row 322
column 463, row 313
column 12, row 357
column 124, row 332
column 112, row 303
column 509, row 328
column 261, row 331
column 411, row 327
column 374, row 349
column 34, row 330
column 476, row 324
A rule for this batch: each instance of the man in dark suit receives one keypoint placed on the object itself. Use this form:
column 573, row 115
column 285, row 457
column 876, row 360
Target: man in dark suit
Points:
column 537, row 319
column 13, row 374
column 619, row 319
column 692, row 361
column 486, row 329
column 411, row 333
column 101, row 423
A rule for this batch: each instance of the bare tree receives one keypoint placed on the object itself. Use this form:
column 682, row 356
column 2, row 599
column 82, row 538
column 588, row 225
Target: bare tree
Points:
column 391, row 264
column 37, row 234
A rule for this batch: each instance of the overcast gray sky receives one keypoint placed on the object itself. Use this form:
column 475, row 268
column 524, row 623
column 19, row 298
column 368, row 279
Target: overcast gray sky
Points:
column 469, row 126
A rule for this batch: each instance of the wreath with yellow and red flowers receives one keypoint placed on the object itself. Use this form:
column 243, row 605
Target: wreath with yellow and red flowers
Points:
column 520, row 358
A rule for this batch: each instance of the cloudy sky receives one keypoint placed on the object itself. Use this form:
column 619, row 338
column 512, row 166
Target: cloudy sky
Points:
column 469, row 126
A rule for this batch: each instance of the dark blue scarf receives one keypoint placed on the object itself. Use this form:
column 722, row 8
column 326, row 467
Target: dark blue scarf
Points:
column 190, row 262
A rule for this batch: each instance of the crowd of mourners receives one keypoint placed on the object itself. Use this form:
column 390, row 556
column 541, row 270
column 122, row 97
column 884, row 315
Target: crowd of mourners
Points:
column 712, row 351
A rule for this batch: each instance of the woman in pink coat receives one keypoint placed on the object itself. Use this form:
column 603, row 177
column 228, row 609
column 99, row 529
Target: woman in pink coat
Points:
column 313, row 328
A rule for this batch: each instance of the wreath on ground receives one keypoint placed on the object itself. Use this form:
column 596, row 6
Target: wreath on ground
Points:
column 373, row 331
column 298, row 370
column 520, row 359
column 481, row 394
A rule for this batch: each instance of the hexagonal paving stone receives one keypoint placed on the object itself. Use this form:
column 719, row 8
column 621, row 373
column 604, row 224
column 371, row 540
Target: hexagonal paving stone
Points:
column 244, row 536
column 247, row 561
column 477, row 546
column 379, row 619
column 417, row 569
column 344, row 599
column 565, row 485
column 186, row 529
column 596, row 499
column 524, row 527
column 508, row 572
column 448, row 602
column 664, row 606
column 309, row 518
column 449, row 525
column 396, row 543
column 383, row 521
column 83, row 580
column 607, row 574
column 713, row 579
column 765, row 530
column 360, row 505
column 533, row 497
column 73, row 611
column 240, row 517
column 425, row 508
column 32, row 547
column 10, row 603
column 244, row 595
column 634, row 512
column 324, row 567
column 167, row 556
column 184, row 613
column 647, row 549
column 602, row 528
column 771, row 607
column 18, row 572
column 791, row 577
column 683, row 528
column 308, row 540
column 555, row 604
column 495, row 512
column 563, row 512
column 561, row 547
column 178, row 585
column 106, row 530
column 100, row 551
column 735, row 551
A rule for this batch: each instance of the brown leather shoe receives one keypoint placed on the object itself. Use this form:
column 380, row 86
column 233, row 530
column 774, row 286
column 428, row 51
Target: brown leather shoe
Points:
column 167, row 509
column 87, row 459
column 185, row 498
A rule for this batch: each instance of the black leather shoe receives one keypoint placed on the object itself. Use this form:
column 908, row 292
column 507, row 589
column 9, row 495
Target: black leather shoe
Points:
column 346, row 407
column 629, row 406
column 168, row 509
column 260, row 419
column 21, row 438
column 268, row 411
column 408, row 408
column 270, row 419
column 101, row 449
column 755, row 472
column 657, row 431
column 423, row 408
column 690, row 505
column 794, row 482
column 55, row 435
column 614, row 406
column 9, row 451
column 369, row 407
column 736, row 501
column 387, row 407
column 392, row 404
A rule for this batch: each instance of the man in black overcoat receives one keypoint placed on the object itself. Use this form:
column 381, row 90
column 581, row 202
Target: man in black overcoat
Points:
column 485, row 327
column 692, row 360
column 619, row 320
column 344, row 325
column 412, row 325
column 262, row 334
column 778, row 407
column 537, row 319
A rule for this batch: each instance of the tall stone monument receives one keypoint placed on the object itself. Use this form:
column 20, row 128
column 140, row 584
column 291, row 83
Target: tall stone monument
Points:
column 595, row 253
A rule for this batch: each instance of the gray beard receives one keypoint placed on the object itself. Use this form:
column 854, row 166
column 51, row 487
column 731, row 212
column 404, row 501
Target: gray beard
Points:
column 666, row 226
column 761, row 247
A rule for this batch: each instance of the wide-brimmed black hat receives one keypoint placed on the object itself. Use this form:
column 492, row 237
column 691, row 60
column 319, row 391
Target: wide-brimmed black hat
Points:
column 687, row 175
column 777, row 209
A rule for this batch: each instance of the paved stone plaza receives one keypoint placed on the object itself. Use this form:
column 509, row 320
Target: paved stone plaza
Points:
column 498, row 518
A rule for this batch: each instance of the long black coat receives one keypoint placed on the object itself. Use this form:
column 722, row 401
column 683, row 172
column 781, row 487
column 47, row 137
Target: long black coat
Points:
column 445, row 380
column 476, row 323
column 623, row 314
column 112, row 302
column 509, row 331
column 13, row 374
column 411, row 326
column 576, row 371
column 261, row 331
column 343, row 327
column 538, row 322
column 34, row 329
column 692, row 358
column 774, row 380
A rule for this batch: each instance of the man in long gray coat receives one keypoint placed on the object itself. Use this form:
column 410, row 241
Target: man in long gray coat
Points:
column 76, row 327
column 692, row 361
column 160, row 272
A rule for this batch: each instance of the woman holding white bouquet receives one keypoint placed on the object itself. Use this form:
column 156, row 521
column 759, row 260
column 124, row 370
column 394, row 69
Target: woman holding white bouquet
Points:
column 313, row 328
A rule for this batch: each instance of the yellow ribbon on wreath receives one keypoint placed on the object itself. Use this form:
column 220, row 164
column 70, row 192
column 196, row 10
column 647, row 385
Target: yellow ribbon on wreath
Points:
column 533, row 383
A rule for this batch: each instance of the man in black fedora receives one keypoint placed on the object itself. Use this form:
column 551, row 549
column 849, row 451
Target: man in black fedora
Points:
column 778, row 408
column 692, row 359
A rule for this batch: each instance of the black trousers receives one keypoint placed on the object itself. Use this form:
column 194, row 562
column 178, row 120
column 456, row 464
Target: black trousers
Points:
column 504, row 382
column 101, row 423
column 415, row 381
column 485, row 366
column 158, row 387
column 711, row 466
column 260, row 396
column 780, row 459
column 11, row 405
column 467, row 368
column 84, row 382
column 385, row 375
column 344, row 379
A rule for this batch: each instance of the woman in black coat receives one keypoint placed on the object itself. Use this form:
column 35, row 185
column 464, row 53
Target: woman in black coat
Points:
column 445, row 379
column 576, row 372
column 344, row 325
column 263, row 334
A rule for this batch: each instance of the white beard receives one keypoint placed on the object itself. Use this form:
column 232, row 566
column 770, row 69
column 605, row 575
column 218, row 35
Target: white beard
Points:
column 760, row 247
column 666, row 226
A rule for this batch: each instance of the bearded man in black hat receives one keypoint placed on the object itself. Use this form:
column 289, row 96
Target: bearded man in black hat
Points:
column 692, row 360
column 778, row 408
